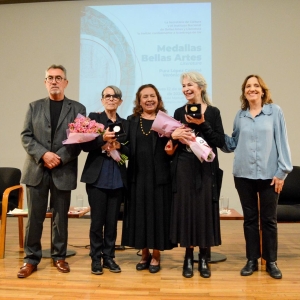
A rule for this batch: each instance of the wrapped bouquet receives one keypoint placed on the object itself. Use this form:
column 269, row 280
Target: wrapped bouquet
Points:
column 82, row 130
column 165, row 125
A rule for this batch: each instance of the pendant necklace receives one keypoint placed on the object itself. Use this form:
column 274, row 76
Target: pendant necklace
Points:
column 141, row 124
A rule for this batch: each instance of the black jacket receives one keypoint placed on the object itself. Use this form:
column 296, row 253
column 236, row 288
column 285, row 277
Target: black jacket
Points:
column 213, row 133
column 94, row 161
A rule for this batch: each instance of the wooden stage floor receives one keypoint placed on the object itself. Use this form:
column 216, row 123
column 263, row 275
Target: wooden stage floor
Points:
column 168, row 284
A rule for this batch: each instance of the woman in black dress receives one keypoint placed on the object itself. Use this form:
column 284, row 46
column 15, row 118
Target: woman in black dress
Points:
column 146, row 222
column 196, row 186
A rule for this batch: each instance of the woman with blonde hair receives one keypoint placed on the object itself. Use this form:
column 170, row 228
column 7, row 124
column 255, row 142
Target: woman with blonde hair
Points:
column 195, row 217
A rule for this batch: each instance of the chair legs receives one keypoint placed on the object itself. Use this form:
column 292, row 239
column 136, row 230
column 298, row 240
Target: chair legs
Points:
column 4, row 218
column 3, row 225
column 21, row 232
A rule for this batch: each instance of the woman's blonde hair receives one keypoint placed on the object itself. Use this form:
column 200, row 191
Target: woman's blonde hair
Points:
column 200, row 81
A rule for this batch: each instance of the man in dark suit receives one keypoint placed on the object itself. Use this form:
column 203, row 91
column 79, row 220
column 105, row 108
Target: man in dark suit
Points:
column 51, row 167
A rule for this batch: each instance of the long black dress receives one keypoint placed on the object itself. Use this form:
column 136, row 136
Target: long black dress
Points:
column 195, row 217
column 147, row 210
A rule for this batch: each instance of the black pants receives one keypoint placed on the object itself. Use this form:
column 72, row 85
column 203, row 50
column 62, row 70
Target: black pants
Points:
column 105, row 208
column 37, row 201
column 248, row 190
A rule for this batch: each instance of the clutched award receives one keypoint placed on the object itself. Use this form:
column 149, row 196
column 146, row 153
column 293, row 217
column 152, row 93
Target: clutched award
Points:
column 117, row 128
column 194, row 110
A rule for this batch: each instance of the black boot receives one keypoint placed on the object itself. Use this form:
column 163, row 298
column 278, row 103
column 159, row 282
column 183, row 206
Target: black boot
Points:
column 203, row 266
column 188, row 263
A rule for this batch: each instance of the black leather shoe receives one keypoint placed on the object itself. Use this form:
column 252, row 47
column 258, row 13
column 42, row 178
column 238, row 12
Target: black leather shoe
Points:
column 188, row 266
column 249, row 268
column 154, row 268
column 145, row 265
column 203, row 268
column 111, row 265
column 96, row 268
column 273, row 270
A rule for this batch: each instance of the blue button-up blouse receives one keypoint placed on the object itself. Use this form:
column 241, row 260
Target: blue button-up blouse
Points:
column 260, row 144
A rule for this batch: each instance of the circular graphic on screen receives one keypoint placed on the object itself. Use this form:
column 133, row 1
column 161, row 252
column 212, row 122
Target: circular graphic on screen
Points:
column 106, row 58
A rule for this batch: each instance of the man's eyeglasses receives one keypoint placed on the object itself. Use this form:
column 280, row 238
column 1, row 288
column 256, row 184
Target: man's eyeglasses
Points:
column 108, row 97
column 57, row 79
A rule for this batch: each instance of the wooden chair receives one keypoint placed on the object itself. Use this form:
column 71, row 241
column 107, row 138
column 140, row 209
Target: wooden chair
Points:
column 12, row 198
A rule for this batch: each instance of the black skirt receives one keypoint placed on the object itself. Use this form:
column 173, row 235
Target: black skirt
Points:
column 193, row 216
column 148, row 207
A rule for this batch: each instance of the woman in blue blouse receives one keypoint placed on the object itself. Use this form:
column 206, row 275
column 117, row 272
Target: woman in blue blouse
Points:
column 261, row 163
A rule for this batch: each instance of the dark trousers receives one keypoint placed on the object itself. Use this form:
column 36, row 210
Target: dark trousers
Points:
column 37, row 202
column 105, row 208
column 248, row 190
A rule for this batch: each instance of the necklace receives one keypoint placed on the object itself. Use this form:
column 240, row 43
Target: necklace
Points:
column 141, row 124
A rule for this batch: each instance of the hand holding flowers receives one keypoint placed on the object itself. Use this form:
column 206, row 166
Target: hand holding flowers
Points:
column 111, row 147
column 166, row 125
column 111, row 150
column 109, row 136
column 83, row 129
column 184, row 134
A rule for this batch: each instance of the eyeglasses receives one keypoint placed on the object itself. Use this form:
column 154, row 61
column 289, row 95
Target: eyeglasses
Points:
column 108, row 97
column 57, row 79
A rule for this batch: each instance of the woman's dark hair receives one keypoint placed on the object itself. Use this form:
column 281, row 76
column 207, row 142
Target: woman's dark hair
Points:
column 137, row 109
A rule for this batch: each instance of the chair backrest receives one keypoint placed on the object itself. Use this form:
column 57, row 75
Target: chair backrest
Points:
column 290, row 193
column 9, row 177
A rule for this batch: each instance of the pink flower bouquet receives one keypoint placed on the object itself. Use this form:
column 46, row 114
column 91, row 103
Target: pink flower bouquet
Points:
column 82, row 130
column 165, row 125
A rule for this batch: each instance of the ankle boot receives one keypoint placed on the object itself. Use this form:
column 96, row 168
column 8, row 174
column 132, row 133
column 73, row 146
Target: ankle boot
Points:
column 203, row 266
column 188, row 263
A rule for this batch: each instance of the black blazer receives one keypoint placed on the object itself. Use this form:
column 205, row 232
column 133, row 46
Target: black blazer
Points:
column 94, row 161
column 161, row 159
